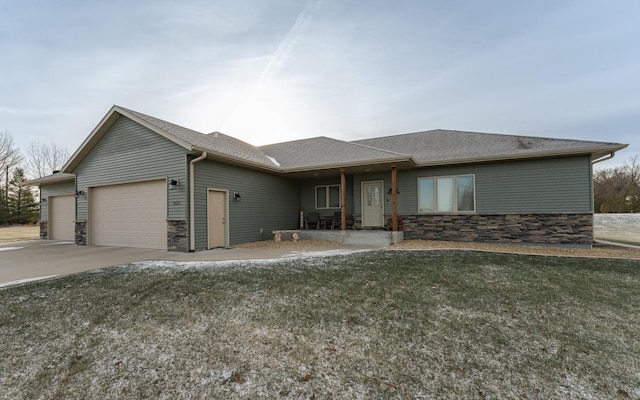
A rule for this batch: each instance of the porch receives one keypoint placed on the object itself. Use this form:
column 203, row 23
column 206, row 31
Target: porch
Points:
column 355, row 237
column 356, row 207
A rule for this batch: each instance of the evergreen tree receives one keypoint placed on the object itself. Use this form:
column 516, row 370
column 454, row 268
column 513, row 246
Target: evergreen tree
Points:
column 4, row 211
column 22, row 207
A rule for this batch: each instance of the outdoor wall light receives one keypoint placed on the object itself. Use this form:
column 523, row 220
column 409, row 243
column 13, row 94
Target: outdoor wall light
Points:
column 173, row 183
column 390, row 192
column 43, row 200
column 236, row 196
column 79, row 193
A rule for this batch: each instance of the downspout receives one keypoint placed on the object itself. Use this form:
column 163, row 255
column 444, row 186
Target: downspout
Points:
column 192, row 212
column 593, row 202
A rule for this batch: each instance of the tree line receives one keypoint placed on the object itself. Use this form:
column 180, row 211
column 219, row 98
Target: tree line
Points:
column 18, row 203
column 617, row 189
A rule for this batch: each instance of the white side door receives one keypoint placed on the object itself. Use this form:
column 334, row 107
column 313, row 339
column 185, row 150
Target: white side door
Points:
column 217, row 219
column 62, row 215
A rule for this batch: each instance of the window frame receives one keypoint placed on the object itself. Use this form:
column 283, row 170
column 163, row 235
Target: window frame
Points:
column 328, row 197
column 455, row 194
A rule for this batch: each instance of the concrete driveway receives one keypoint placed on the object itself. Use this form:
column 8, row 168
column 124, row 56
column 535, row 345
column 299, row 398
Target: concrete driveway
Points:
column 37, row 259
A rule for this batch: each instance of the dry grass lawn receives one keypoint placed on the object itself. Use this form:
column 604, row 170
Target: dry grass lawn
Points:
column 383, row 325
column 17, row 233
column 622, row 228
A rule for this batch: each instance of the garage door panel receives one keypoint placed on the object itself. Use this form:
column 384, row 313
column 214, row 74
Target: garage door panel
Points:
column 62, row 213
column 130, row 215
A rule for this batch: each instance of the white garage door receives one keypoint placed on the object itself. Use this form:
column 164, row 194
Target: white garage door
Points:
column 62, row 215
column 130, row 215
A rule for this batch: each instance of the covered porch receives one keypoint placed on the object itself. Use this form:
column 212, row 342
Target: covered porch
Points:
column 356, row 205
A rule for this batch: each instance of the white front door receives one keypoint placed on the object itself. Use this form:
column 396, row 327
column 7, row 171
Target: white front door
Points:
column 372, row 204
column 216, row 219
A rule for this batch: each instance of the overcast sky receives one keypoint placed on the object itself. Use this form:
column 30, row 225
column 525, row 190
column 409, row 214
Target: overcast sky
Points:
column 270, row 71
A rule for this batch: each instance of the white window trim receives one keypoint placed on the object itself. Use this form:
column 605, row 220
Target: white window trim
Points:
column 327, row 197
column 455, row 194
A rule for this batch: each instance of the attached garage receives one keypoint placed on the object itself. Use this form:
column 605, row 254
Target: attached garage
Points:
column 129, row 215
column 62, row 212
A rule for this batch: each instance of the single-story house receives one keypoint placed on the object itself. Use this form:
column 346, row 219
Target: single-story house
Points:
column 140, row 181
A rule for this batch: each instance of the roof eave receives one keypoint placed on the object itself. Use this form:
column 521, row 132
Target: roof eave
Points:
column 597, row 151
column 320, row 167
column 49, row 179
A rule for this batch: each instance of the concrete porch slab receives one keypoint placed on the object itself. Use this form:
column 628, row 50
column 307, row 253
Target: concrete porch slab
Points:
column 361, row 237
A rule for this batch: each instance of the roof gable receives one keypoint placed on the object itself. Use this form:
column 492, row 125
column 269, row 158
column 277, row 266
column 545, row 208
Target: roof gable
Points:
column 103, row 127
column 215, row 144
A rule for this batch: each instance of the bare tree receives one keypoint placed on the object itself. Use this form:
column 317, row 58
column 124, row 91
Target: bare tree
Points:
column 9, row 158
column 43, row 159
column 9, row 155
column 618, row 189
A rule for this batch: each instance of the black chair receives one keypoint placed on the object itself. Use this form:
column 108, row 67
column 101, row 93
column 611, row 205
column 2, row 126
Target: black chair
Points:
column 336, row 221
column 313, row 220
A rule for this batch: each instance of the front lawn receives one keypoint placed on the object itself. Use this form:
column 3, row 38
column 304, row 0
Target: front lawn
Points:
column 394, row 324
column 14, row 233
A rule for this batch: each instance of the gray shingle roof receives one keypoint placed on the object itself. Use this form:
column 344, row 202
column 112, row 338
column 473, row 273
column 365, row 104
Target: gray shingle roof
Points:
column 214, row 142
column 420, row 148
column 441, row 146
column 322, row 151
column 423, row 148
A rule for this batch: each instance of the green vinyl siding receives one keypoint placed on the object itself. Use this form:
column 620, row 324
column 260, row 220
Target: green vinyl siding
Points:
column 549, row 185
column 308, row 194
column 529, row 186
column 54, row 189
column 130, row 152
column 267, row 202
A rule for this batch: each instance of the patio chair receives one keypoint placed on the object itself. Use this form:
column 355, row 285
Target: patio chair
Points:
column 313, row 220
column 336, row 221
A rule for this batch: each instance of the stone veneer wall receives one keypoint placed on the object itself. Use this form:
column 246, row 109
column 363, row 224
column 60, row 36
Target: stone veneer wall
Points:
column 81, row 233
column 177, row 235
column 569, row 229
column 44, row 230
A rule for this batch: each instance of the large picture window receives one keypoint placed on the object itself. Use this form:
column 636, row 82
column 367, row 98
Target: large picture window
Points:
column 446, row 194
column 328, row 196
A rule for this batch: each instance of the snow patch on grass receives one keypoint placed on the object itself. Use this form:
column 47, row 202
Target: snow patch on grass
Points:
column 293, row 256
column 10, row 248
column 21, row 281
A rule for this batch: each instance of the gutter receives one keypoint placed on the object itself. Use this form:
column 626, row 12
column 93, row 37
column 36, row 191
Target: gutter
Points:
column 53, row 178
column 604, row 158
column 192, row 212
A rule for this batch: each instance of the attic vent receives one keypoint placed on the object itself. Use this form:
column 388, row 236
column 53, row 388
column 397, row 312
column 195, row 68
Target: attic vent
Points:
column 215, row 134
column 525, row 143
